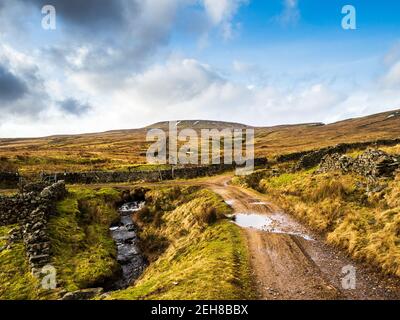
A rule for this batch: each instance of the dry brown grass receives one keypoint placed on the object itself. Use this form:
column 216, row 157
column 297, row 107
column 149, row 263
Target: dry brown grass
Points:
column 392, row 150
column 6, row 165
column 285, row 139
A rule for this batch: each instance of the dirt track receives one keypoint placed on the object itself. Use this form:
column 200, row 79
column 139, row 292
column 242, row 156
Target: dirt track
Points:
column 290, row 262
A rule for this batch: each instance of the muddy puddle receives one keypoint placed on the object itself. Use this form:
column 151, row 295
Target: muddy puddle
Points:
column 272, row 223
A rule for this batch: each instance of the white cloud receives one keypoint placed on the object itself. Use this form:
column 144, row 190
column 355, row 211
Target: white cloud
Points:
column 165, row 86
column 242, row 67
column 393, row 54
column 16, row 60
column 221, row 12
column 392, row 78
column 290, row 14
column 189, row 89
column 78, row 57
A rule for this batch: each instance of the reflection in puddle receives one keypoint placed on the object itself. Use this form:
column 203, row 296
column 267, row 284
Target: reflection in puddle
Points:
column 255, row 221
column 230, row 202
column 274, row 223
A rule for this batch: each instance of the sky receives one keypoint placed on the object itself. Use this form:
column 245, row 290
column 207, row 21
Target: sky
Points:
column 125, row 64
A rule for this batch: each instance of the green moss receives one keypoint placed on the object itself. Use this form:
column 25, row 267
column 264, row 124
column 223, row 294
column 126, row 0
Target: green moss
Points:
column 83, row 250
column 16, row 281
column 3, row 235
column 282, row 180
column 355, row 153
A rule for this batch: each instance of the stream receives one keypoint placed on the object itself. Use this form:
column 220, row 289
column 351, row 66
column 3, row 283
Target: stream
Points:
column 129, row 256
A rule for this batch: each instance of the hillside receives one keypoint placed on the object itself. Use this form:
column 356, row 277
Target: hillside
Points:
column 119, row 149
column 284, row 139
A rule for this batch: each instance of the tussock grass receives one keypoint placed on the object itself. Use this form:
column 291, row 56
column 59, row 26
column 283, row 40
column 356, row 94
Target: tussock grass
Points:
column 252, row 180
column 329, row 189
column 205, row 258
column 6, row 165
column 394, row 150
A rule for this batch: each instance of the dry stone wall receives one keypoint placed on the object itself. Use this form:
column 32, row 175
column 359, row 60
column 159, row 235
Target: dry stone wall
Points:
column 31, row 212
column 311, row 158
column 372, row 164
column 91, row 177
column 15, row 209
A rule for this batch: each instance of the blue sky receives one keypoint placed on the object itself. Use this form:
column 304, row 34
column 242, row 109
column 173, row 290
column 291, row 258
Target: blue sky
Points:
column 314, row 41
column 128, row 63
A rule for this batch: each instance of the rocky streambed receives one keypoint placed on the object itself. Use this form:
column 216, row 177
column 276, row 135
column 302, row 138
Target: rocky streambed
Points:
column 128, row 253
column 129, row 256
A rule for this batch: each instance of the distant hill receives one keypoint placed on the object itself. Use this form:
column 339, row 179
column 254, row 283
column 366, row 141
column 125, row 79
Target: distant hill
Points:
column 119, row 149
column 283, row 139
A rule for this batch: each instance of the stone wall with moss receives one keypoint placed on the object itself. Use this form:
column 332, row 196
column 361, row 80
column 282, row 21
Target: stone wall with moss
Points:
column 31, row 212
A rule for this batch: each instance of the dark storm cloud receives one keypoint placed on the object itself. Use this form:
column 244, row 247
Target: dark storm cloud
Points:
column 73, row 106
column 11, row 87
column 120, row 35
column 21, row 94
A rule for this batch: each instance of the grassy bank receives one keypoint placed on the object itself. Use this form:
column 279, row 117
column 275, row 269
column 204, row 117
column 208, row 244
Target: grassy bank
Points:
column 195, row 252
column 84, row 253
column 363, row 220
column 16, row 281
